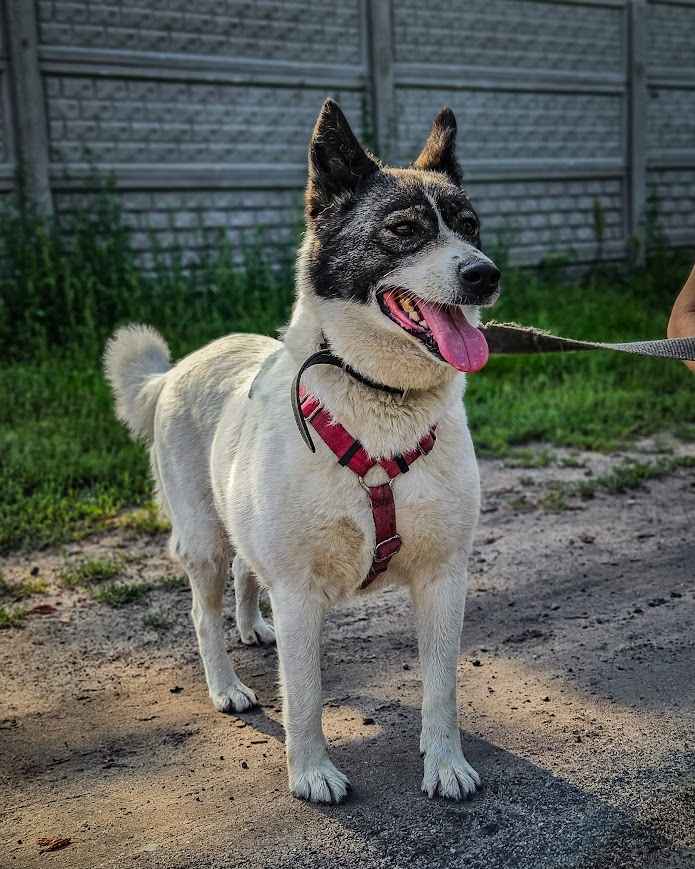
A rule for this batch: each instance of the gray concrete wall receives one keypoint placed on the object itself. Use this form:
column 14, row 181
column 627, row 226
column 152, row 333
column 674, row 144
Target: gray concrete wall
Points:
column 202, row 109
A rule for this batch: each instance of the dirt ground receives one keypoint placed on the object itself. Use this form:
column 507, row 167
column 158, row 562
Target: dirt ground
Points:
column 576, row 706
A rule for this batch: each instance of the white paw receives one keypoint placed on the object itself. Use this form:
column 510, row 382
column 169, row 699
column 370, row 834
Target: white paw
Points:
column 260, row 632
column 448, row 774
column 321, row 783
column 235, row 698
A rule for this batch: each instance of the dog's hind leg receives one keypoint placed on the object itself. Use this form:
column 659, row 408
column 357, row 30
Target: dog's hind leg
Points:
column 199, row 543
column 253, row 628
column 207, row 575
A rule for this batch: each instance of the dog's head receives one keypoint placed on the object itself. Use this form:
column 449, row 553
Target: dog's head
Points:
column 392, row 256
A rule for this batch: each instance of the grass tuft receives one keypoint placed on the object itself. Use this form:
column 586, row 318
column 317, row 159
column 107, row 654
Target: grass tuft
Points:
column 529, row 458
column 571, row 462
column 555, row 500
column 174, row 583
column 146, row 520
column 625, row 477
column 119, row 594
column 11, row 617
column 156, row 621
column 91, row 571
column 22, row 590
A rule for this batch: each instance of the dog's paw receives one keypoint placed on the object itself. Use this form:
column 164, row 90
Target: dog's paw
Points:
column 322, row 783
column 448, row 774
column 257, row 633
column 235, row 698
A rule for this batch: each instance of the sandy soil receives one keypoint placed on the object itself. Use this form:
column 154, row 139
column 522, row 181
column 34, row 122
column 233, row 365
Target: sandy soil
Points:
column 576, row 705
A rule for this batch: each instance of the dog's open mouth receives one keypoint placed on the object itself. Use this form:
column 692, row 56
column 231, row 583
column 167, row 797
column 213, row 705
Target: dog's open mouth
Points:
column 443, row 329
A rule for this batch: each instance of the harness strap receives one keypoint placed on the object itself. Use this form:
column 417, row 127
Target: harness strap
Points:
column 387, row 538
column 351, row 454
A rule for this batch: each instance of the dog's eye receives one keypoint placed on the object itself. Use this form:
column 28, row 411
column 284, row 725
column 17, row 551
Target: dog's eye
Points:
column 404, row 229
column 468, row 225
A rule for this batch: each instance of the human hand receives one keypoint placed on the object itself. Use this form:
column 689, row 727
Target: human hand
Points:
column 681, row 324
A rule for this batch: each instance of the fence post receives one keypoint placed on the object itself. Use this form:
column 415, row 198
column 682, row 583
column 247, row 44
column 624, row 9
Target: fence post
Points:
column 380, row 48
column 28, row 103
column 637, row 105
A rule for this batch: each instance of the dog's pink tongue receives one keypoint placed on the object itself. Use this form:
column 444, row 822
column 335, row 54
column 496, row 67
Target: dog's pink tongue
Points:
column 461, row 344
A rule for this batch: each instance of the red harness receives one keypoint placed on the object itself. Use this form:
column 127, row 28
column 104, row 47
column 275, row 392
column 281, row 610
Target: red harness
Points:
column 353, row 455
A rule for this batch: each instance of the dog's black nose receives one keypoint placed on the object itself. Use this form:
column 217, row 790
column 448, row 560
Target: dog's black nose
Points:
column 478, row 279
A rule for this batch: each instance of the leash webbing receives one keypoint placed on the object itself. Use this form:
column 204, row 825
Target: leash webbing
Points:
column 512, row 338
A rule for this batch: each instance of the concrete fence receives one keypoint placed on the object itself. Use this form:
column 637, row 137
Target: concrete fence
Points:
column 201, row 109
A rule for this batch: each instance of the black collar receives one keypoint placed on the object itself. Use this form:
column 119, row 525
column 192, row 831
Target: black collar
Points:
column 326, row 357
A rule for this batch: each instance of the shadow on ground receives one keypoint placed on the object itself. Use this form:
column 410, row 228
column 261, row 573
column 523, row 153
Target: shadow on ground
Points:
column 576, row 699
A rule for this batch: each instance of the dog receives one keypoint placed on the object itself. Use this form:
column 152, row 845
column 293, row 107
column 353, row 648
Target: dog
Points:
column 390, row 279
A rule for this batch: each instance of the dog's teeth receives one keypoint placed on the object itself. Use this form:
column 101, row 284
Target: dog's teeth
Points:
column 407, row 306
column 415, row 316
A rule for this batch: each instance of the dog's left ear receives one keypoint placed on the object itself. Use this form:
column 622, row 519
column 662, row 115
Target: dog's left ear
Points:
column 337, row 161
column 439, row 153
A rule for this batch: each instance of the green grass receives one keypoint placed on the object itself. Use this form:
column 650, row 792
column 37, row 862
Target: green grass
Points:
column 625, row 477
column 630, row 475
column 587, row 400
column 119, row 594
column 22, row 590
column 555, row 500
column 529, row 458
column 146, row 520
column 89, row 572
column 100, row 578
column 571, row 462
column 67, row 467
column 11, row 617
column 174, row 583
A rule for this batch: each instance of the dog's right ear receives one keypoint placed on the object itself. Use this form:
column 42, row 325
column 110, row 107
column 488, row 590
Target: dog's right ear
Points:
column 337, row 161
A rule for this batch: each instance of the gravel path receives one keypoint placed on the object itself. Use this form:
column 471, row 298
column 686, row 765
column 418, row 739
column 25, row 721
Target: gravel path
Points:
column 576, row 706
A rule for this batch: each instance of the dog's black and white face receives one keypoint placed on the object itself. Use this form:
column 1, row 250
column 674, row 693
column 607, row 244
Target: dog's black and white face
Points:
column 395, row 253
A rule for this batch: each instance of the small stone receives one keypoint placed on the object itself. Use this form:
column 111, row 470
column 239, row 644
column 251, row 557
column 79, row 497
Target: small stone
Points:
column 177, row 689
column 476, row 663
column 35, row 570
column 367, row 720
column 406, row 666
column 656, row 601
column 244, row 765
column 491, row 828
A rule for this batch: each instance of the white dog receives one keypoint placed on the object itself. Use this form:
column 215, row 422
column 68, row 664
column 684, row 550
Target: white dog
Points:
column 389, row 280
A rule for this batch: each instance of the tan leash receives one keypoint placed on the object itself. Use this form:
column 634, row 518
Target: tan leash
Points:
column 512, row 338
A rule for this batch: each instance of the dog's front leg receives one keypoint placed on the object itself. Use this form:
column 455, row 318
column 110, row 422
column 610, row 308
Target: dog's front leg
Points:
column 439, row 605
column 298, row 619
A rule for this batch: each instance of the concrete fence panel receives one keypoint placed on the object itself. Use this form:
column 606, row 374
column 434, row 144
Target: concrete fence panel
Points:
column 201, row 111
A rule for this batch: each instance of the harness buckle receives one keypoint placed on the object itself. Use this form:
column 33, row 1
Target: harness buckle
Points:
column 367, row 487
column 313, row 413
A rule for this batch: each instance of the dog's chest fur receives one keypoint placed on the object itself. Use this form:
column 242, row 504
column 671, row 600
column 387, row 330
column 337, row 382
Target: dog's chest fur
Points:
column 286, row 508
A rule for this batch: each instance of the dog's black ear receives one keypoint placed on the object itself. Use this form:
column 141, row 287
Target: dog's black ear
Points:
column 337, row 161
column 439, row 153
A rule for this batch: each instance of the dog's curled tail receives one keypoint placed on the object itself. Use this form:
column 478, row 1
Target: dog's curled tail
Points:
column 136, row 360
